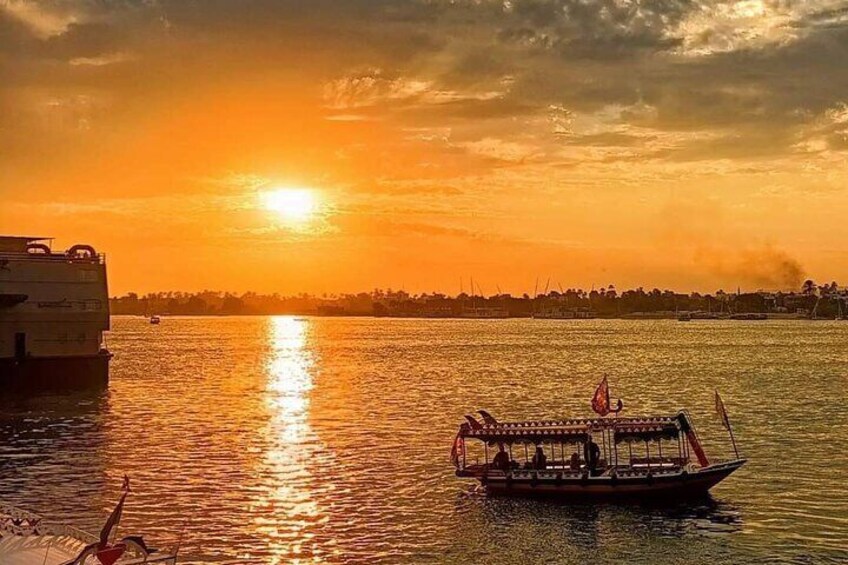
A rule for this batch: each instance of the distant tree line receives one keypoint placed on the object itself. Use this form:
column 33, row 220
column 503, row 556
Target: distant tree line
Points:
column 810, row 300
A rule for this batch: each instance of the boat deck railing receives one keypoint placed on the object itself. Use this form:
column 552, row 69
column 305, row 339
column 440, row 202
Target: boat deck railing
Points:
column 635, row 466
column 620, row 471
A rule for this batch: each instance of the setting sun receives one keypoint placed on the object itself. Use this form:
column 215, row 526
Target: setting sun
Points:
column 292, row 204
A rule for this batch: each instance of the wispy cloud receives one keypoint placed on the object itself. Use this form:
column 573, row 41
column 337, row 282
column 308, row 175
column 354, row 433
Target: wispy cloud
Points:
column 102, row 60
column 374, row 88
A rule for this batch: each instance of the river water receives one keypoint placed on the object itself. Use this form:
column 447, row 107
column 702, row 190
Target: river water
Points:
column 288, row 439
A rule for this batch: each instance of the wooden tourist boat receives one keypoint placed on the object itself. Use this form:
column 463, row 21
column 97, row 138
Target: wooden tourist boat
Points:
column 642, row 458
column 29, row 539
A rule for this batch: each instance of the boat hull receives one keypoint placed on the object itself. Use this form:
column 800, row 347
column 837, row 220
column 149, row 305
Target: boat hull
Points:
column 666, row 485
column 33, row 374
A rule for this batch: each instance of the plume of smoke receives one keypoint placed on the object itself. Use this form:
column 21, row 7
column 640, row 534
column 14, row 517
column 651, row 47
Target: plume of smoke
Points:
column 760, row 267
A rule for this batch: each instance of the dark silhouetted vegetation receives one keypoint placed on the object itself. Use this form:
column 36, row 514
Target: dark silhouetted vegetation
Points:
column 825, row 301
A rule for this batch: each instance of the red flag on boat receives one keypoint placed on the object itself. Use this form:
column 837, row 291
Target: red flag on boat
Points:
column 601, row 400
column 111, row 554
column 457, row 450
column 722, row 412
column 107, row 554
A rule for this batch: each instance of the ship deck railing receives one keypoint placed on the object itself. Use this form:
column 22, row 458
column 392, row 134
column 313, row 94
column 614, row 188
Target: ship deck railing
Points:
column 98, row 259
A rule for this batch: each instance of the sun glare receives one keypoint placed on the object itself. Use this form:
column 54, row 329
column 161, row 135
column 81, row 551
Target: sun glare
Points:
column 292, row 204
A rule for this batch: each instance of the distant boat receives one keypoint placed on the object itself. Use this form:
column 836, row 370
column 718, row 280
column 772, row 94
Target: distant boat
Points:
column 485, row 312
column 555, row 314
column 749, row 316
column 154, row 319
column 684, row 317
column 563, row 314
column 701, row 315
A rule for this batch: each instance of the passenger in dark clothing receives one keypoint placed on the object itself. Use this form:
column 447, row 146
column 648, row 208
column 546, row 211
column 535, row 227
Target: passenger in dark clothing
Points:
column 540, row 460
column 501, row 460
column 575, row 462
column 592, row 455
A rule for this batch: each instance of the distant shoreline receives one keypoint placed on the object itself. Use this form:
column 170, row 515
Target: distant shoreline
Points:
column 826, row 301
column 647, row 316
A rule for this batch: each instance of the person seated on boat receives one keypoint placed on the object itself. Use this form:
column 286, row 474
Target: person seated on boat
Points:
column 592, row 454
column 501, row 460
column 575, row 461
column 540, row 460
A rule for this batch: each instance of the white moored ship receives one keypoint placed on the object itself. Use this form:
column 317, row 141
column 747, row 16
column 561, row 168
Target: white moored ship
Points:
column 54, row 308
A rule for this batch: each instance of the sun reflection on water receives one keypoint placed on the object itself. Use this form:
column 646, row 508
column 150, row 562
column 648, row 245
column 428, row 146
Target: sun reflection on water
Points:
column 289, row 511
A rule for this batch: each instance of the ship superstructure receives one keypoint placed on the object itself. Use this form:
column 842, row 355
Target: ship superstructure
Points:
column 54, row 308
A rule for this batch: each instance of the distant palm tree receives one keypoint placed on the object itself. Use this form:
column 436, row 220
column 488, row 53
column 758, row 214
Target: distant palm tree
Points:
column 808, row 288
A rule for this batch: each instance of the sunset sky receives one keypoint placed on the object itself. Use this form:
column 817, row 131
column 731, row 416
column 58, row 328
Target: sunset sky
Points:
column 342, row 145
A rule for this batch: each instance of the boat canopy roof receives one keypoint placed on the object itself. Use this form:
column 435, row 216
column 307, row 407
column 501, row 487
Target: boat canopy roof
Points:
column 578, row 430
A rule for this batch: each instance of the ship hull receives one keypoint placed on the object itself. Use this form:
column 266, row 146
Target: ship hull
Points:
column 641, row 488
column 65, row 373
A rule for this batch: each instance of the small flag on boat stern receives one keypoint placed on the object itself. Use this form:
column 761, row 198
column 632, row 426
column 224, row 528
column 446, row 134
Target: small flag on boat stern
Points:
column 725, row 421
column 457, row 450
column 601, row 400
column 721, row 411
